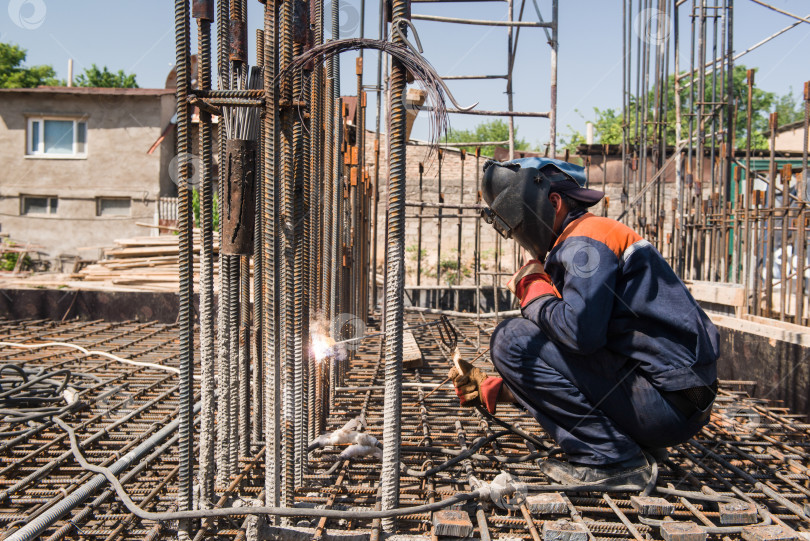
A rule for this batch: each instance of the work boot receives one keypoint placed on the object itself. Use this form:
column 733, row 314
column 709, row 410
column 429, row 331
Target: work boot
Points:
column 629, row 475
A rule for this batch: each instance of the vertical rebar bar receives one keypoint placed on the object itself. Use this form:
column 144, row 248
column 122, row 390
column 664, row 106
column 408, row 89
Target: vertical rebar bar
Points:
column 270, row 331
column 207, row 346
column 773, row 125
column 288, row 229
column 801, row 237
column 244, row 358
column 440, row 213
column 315, row 210
column 555, row 47
column 223, row 333
column 186, row 312
column 258, row 273
column 395, row 278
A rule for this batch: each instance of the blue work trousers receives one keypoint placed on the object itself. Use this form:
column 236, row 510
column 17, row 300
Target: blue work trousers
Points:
column 598, row 408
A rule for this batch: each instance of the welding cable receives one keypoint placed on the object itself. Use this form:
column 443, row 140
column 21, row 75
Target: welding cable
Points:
column 480, row 442
column 491, row 458
column 91, row 353
column 511, row 428
column 242, row 511
column 334, row 468
column 43, row 378
column 34, row 398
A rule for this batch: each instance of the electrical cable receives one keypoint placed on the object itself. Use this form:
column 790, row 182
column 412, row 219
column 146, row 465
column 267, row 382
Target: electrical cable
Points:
column 90, row 353
column 515, row 430
column 24, row 398
column 241, row 511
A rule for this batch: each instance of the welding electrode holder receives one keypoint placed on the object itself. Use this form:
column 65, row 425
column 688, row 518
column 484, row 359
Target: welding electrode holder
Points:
column 519, row 207
column 240, row 192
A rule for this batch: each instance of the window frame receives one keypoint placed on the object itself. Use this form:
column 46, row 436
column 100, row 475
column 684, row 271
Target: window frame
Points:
column 53, row 210
column 101, row 198
column 37, row 150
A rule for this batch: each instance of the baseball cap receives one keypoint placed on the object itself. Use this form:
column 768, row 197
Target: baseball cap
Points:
column 566, row 178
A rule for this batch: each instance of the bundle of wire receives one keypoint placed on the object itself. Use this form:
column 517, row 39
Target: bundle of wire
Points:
column 241, row 122
column 423, row 72
column 32, row 395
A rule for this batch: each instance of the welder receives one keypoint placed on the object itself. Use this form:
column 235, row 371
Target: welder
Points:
column 612, row 355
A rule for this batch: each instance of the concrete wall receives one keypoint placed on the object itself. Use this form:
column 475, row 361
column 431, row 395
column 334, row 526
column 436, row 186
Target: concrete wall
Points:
column 771, row 353
column 120, row 131
column 790, row 139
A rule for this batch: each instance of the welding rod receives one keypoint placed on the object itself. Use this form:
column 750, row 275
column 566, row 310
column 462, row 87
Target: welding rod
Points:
column 439, row 386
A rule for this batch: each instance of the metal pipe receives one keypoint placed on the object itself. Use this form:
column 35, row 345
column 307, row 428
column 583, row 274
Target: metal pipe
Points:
column 530, row 24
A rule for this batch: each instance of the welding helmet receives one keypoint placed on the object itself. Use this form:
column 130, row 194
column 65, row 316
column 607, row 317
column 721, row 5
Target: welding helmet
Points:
column 566, row 178
column 518, row 205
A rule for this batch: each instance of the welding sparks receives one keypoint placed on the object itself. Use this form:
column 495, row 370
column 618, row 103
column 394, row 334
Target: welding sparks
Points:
column 322, row 346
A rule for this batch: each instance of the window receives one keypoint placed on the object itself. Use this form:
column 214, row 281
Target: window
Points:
column 57, row 137
column 37, row 205
column 113, row 206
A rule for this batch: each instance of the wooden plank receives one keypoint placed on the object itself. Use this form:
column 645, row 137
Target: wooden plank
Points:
column 725, row 294
column 411, row 354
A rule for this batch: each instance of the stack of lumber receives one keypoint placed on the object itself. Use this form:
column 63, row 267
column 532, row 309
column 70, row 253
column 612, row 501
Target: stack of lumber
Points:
column 143, row 263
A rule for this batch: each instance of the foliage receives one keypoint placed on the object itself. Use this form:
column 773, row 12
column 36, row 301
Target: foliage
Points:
column 195, row 203
column 14, row 74
column 8, row 261
column 607, row 130
column 608, row 123
column 493, row 130
column 104, row 78
column 412, row 252
column 789, row 109
column 452, row 274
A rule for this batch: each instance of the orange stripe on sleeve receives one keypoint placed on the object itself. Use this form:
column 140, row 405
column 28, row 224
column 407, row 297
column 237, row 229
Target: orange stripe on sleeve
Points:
column 615, row 235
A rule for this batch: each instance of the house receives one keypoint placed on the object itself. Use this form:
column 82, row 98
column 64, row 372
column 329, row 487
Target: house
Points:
column 83, row 166
column 790, row 137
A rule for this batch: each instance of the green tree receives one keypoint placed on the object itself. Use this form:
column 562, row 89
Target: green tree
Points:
column 493, row 130
column 13, row 73
column 789, row 109
column 195, row 204
column 607, row 130
column 95, row 77
column 608, row 123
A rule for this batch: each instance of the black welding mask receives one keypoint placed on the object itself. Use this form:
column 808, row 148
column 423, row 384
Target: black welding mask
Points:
column 518, row 205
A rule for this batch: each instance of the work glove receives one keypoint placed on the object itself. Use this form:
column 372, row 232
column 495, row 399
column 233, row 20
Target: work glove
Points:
column 530, row 282
column 474, row 386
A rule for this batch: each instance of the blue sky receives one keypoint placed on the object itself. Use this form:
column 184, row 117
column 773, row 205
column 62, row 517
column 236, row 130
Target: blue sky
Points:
column 139, row 37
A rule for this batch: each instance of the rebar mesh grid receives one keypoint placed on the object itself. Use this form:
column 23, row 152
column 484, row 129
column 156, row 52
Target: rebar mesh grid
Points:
column 751, row 451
